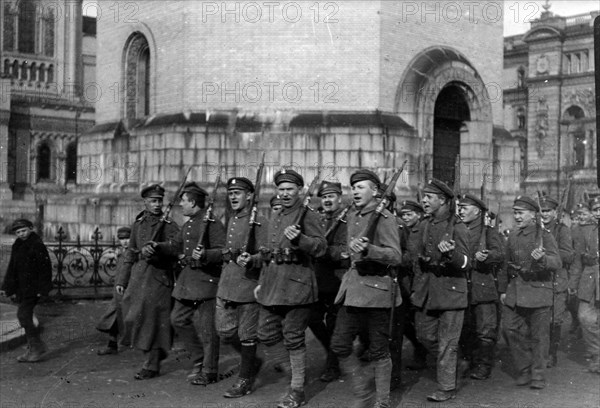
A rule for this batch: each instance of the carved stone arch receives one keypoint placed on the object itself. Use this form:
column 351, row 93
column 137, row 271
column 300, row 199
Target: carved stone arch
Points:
column 425, row 78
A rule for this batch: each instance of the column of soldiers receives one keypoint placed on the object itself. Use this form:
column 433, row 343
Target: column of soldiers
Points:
column 440, row 279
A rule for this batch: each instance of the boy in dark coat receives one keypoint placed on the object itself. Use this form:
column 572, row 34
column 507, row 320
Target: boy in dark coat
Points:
column 28, row 278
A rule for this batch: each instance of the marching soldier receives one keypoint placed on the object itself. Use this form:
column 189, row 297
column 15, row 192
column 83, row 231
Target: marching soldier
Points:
column 287, row 285
column 531, row 256
column 146, row 282
column 481, row 324
column 237, row 310
column 562, row 236
column 329, row 270
column 366, row 293
column 193, row 317
column 411, row 214
column 585, row 279
column 440, row 284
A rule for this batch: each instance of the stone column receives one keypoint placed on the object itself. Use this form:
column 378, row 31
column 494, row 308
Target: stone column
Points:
column 5, row 95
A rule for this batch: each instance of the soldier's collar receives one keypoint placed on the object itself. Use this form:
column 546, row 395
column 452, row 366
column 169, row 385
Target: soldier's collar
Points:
column 528, row 229
column 474, row 224
column 443, row 215
column 369, row 208
column 244, row 212
column 288, row 210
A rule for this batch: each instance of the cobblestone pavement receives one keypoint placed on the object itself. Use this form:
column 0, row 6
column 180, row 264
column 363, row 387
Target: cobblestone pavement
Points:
column 73, row 376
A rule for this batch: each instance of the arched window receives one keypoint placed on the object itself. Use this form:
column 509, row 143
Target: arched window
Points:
column 577, row 133
column 71, row 162
column 521, row 77
column 24, row 71
column 7, row 67
column 48, row 30
column 521, row 119
column 15, row 69
column 33, row 72
column 26, row 34
column 42, row 73
column 50, row 74
column 43, row 162
column 137, row 77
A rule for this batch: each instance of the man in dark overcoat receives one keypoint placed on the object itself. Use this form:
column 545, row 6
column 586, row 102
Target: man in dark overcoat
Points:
column 440, row 284
column 236, row 309
column 28, row 279
column 145, row 281
column 287, row 285
column 367, row 292
column 531, row 257
column 481, row 323
column 199, row 245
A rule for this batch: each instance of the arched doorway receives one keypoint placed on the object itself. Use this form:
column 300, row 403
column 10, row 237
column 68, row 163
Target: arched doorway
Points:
column 450, row 114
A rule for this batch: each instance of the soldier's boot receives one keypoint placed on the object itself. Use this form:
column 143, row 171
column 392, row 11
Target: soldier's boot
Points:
column 243, row 386
column 36, row 350
column 361, row 378
column 553, row 355
column 296, row 397
column 383, row 378
column 396, row 359
column 483, row 361
column 332, row 368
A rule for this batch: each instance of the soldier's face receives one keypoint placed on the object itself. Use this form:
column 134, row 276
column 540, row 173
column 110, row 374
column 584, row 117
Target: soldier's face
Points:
column 432, row 202
column 409, row 217
column 153, row 205
column 188, row 207
column 523, row 218
column 468, row 213
column 23, row 233
column 238, row 198
column 596, row 212
column 548, row 215
column 331, row 202
column 288, row 193
column 124, row 242
column 363, row 192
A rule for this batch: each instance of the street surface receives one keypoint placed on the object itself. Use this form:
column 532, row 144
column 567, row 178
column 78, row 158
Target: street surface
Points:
column 73, row 376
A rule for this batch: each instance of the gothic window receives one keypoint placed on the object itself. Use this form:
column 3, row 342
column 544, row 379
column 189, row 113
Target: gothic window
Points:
column 50, row 74
column 7, row 67
column 521, row 78
column 43, row 162
column 71, row 162
column 24, row 71
column 42, row 73
column 26, row 27
column 137, row 77
column 9, row 28
column 33, row 72
column 15, row 69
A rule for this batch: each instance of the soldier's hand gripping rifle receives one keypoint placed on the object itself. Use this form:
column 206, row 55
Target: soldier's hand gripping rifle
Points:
column 249, row 245
column 164, row 219
column 208, row 218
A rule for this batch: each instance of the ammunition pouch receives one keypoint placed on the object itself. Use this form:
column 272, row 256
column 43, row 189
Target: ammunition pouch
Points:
column 370, row 268
column 589, row 260
column 191, row 262
column 427, row 265
column 284, row 256
column 231, row 255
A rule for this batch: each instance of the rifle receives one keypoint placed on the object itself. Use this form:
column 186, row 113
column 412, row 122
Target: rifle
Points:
column 209, row 212
column 456, row 187
column 248, row 244
column 484, row 218
column 340, row 219
column 165, row 217
column 563, row 202
column 540, row 241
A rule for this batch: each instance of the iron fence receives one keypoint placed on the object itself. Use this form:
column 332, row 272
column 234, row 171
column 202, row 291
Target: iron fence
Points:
column 83, row 269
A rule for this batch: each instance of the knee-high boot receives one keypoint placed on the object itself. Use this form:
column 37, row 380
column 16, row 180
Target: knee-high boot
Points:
column 383, row 378
column 362, row 380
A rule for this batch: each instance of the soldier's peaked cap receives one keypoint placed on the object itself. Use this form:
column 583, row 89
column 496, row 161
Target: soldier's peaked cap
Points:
column 469, row 199
column 193, row 188
column 436, row 186
column 364, row 174
column 242, row 183
column 153, row 191
column 594, row 202
column 523, row 202
column 548, row 203
column 409, row 205
column 123, row 232
column 21, row 223
column 288, row 176
column 327, row 187
column 275, row 200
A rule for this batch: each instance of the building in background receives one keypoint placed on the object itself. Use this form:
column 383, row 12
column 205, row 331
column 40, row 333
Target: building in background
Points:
column 48, row 53
column 549, row 103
